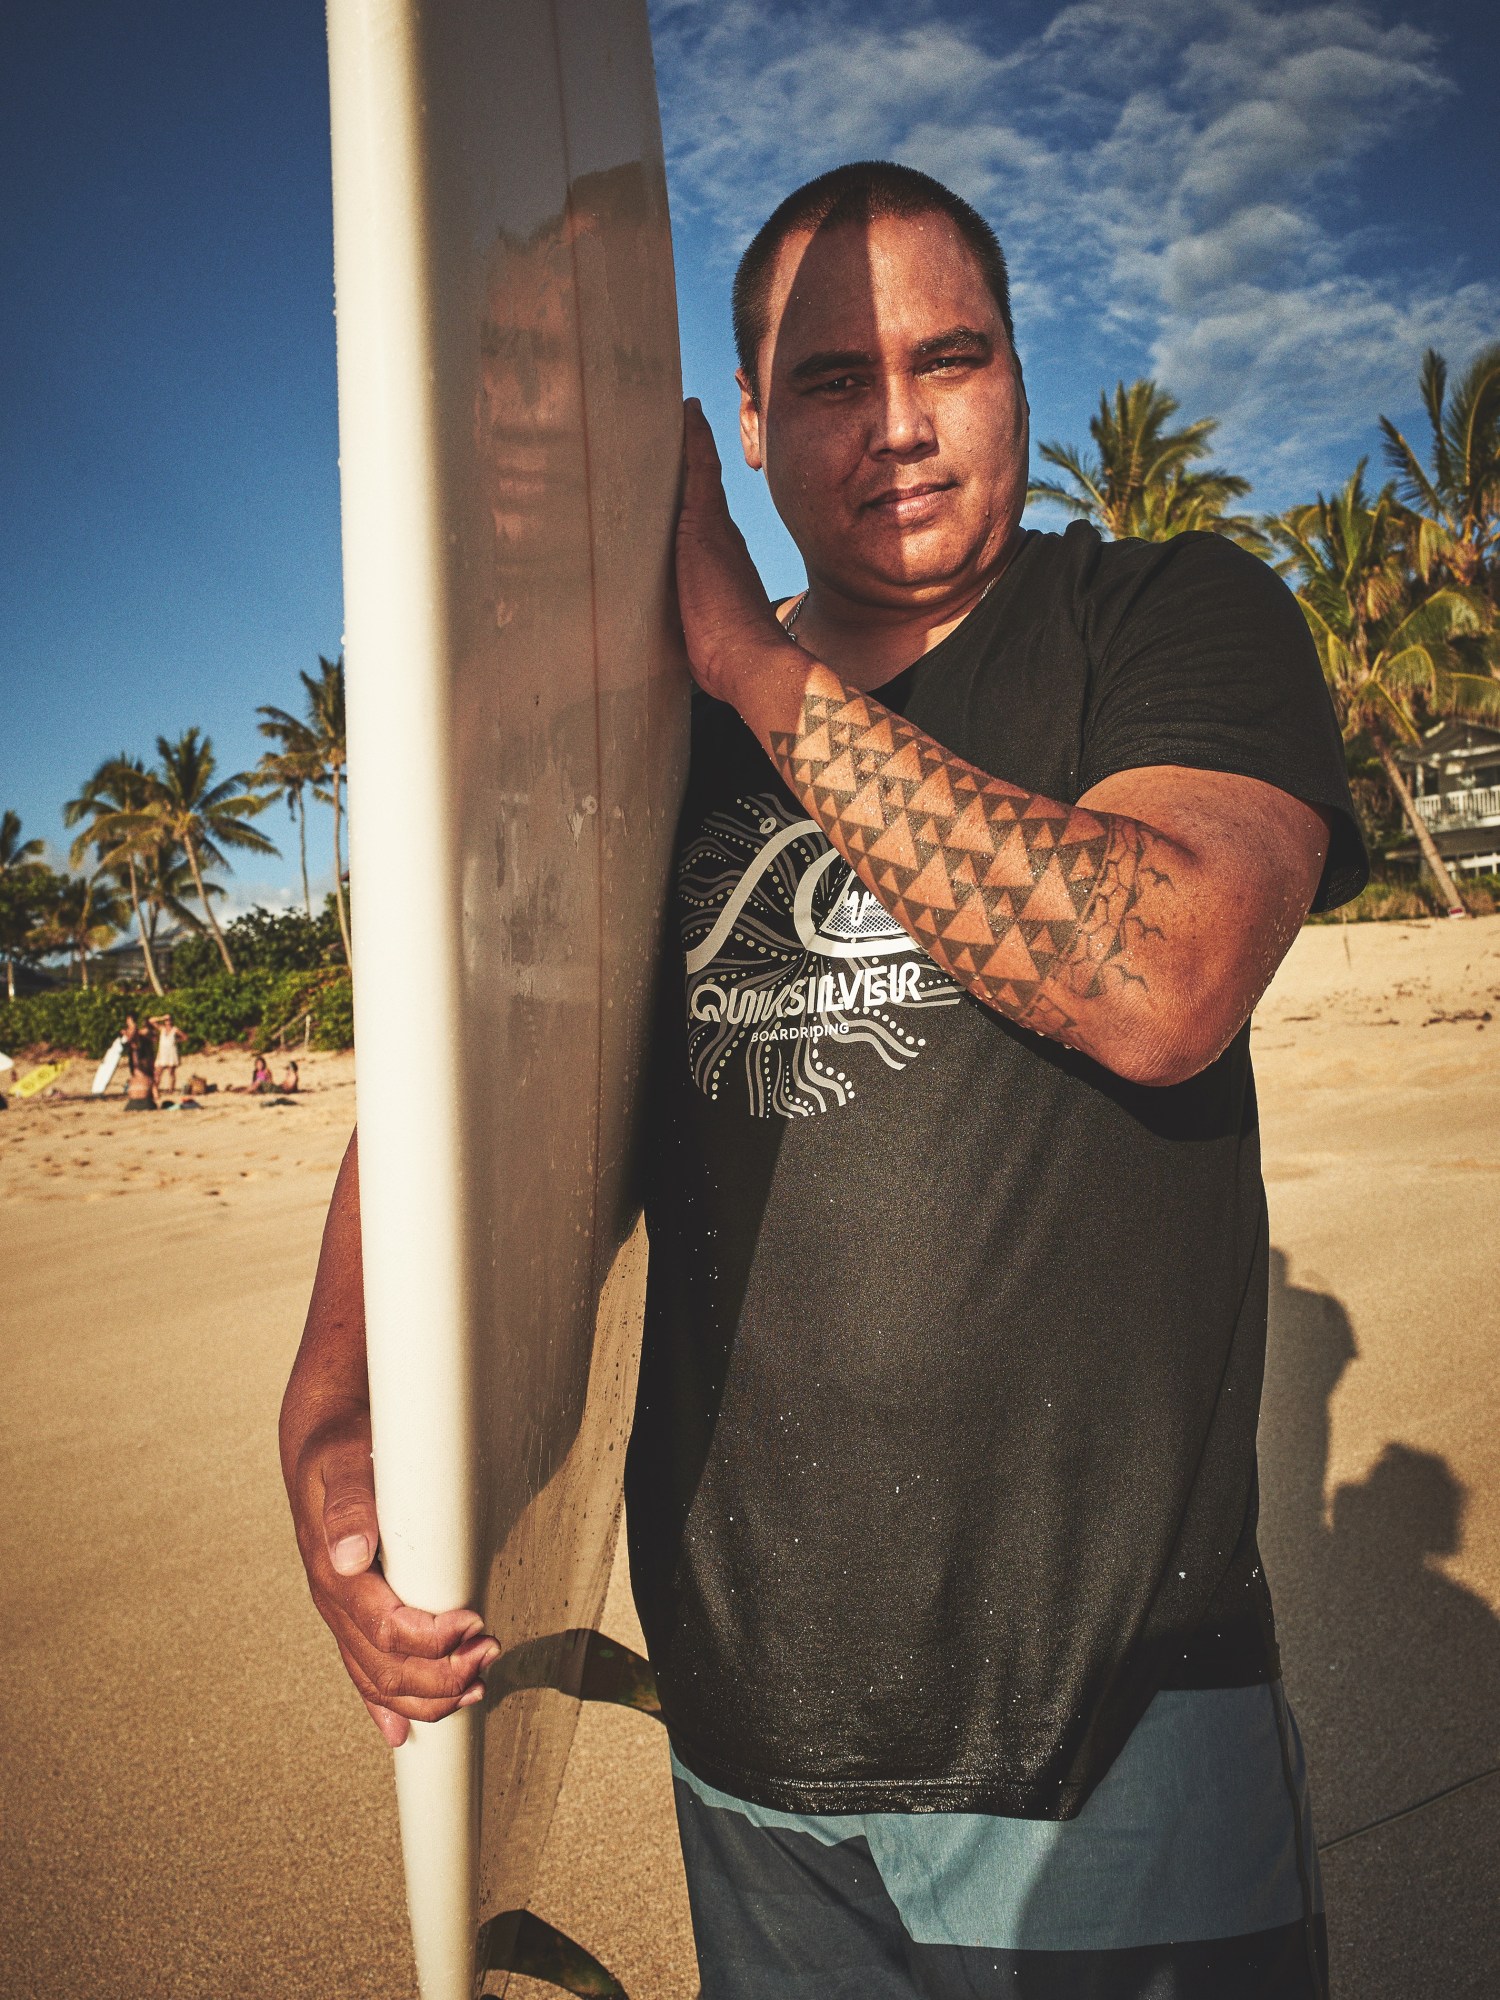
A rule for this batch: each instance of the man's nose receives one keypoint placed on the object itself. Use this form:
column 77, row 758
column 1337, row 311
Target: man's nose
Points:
column 904, row 427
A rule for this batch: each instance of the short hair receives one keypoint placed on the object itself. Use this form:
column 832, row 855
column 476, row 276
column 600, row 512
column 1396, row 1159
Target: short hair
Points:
column 862, row 191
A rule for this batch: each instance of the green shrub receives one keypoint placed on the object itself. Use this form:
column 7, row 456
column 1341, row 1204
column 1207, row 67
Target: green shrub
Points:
column 1409, row 899
column 227, row 1009
column 69, row 1019
column 262, row 941
column 327, row 997
column 253, row 1008
column 333, row 1016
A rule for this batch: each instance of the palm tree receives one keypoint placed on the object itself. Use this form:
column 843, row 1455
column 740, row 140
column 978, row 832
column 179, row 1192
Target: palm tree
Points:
column 166, row 885
column 79, row 916
column 1388, row 646
column 321, row 736
column 15, row 852
column 186, row 807
column 1142, row 483
column 20, row 862
column 1456, row 496
column 289, row 771
column 112, row 810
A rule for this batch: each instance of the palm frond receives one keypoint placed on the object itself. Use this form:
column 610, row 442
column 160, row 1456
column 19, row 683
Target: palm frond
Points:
column 1412, row 481
column 1472, row 427
column 1434, row 391
column 1475, row 697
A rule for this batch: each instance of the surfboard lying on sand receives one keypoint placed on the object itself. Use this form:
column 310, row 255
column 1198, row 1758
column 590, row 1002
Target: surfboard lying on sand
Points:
column 39, row 1079
column 510, row 423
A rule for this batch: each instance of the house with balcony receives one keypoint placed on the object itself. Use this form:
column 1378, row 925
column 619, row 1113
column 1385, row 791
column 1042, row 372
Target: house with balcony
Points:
column 1454, row 774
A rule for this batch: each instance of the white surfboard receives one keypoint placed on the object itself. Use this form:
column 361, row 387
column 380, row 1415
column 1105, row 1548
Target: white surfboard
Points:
column 104, row 1074
column 510, row 422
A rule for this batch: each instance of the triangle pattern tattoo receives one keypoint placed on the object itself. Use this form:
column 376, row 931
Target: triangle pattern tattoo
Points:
column 1023, row 898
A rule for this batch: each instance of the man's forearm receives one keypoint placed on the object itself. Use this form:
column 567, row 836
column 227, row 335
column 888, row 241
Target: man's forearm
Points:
column 329, row 1376
column 1043, row 910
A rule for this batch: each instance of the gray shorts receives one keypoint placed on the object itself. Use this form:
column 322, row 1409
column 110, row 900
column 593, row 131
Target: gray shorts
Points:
column 1190, row 1874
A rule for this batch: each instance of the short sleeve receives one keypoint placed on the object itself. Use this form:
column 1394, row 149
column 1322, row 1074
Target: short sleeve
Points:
column 1206, row 660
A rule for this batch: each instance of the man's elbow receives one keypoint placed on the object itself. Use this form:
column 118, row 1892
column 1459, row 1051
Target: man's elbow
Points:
column 1166, row 1056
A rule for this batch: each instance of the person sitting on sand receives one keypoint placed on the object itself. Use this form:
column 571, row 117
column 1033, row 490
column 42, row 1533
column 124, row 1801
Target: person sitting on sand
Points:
column 261, row 1080
column 289, row 1084
column 168, row 1037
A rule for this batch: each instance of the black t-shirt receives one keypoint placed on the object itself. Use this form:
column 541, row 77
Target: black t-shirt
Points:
column 944, row 1452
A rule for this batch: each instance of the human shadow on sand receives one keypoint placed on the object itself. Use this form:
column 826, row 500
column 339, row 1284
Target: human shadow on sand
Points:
column 1393, row 1670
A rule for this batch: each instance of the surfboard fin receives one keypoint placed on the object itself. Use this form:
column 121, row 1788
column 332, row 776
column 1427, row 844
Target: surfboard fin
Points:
column 517, row 1941
column 582, row 1663
column 612, row 1672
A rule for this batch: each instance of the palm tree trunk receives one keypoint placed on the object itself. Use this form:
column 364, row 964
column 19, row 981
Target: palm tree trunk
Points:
column 302, row 845
column 83, row 967
column 140, row 924
column 1437, row 868
column 208, row 908
column 338, row 868
column 10, row 977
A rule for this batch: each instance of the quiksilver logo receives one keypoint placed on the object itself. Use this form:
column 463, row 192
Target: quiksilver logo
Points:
column 862, row 991
column 766, row 903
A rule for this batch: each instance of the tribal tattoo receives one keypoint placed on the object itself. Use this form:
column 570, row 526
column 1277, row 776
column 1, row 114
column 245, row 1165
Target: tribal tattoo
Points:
column 1031, row 904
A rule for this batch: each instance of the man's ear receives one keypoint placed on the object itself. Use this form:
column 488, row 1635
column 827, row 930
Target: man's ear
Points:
column 750, row 423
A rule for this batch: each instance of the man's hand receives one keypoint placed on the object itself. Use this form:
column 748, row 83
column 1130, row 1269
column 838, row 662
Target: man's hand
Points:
column 727, row 619
column 407, row 1665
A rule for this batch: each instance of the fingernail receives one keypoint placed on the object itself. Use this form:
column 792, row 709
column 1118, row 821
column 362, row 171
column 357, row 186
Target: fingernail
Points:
column 474, row 1694
column 489, row 1652
column 352, row 1554
column 472, row 1624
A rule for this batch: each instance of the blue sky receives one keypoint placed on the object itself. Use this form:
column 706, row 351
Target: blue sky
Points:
column 1274, row 209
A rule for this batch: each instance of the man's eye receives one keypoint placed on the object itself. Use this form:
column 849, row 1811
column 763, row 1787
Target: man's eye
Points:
column 837, row 384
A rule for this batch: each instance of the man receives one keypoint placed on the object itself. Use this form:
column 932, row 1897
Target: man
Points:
column 941, row 1491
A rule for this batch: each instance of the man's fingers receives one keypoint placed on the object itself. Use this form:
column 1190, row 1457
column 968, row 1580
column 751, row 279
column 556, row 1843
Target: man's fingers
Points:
column 349, row 1524
column 389, row 1626
column 407, row 1664
column 351, row 1553
column 394, row 1728
column 405, row 1651
column 391, row 1687
column 351, row 1534
column 705, row 474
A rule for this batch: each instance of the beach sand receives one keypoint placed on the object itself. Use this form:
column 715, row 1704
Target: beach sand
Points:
column 195, row 1804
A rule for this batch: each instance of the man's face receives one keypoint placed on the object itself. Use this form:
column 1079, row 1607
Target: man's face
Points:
column 891, row 421
column 529, row 413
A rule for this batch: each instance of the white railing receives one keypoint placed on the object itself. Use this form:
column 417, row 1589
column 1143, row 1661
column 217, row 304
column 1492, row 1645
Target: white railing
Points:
column 1460, row 808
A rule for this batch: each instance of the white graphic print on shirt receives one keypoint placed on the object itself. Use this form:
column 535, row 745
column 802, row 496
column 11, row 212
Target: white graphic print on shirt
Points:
column 798, row 979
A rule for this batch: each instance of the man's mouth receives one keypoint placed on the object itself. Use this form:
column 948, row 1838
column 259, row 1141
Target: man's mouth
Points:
column 913, row 502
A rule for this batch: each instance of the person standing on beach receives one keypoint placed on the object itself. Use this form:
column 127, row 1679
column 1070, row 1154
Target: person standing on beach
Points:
column 941, row 1492
column 140, row 1064
column 168, row 1037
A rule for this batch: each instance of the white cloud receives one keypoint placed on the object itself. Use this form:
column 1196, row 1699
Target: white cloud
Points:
column 743, row 127
column 1184, row 174
column 242, row 896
